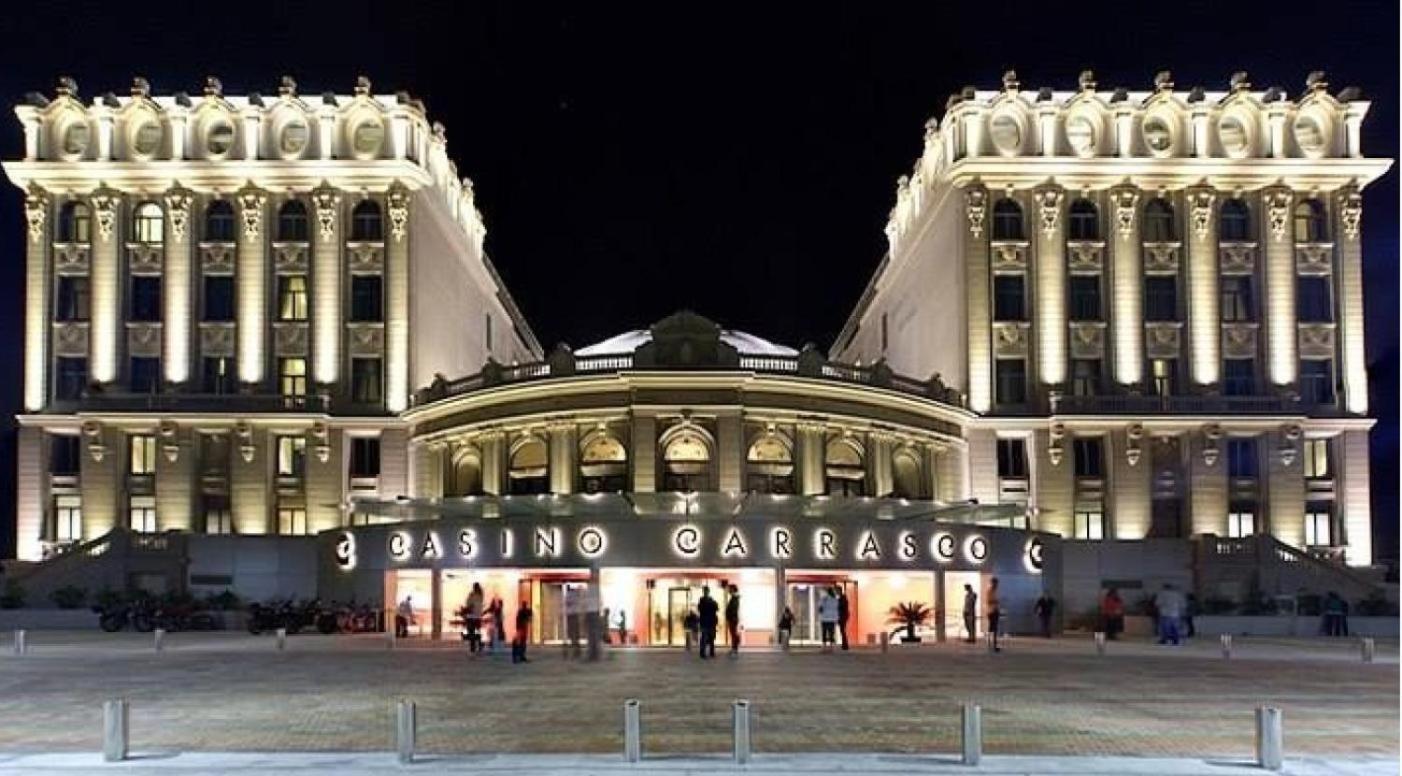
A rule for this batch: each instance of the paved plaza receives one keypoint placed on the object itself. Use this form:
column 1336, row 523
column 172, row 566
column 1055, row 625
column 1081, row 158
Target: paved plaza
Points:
column 230, row 692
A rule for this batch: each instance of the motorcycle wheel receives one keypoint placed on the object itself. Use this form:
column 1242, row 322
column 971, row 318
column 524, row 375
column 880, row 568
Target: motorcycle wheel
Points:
column 143, row 623
column 111, row 622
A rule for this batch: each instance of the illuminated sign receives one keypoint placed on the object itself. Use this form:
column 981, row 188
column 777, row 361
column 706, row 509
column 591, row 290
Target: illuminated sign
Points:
column 686, row 540
column 734, row 546
column 780, row 543
column 942, row 547
column 591, row 542
column 345, row 550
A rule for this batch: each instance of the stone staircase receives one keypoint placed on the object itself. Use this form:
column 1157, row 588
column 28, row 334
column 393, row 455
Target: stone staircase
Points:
column 1230, row 566
column 118, row 560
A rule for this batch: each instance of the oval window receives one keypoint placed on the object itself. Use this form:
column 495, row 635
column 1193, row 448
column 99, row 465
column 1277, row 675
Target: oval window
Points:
column 1309, row 134
column 367, row 138
column 1007, row 135
column 146, row 140
column 1157, row 135
column 220, row 139
column 1232, row 133
column 1080, row 134
column 293, row 139
column 75, row 138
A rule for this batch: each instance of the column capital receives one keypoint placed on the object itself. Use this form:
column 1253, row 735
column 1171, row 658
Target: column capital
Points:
column 178, row 202
column 1049, row 199
column 36, row 211
column 327, row 200
column 251, row 200
column 104, row 205
column 975, row 208
column 1278, row 200
column 1200, row 202
column 1125, row 200
column 1351, row 210
column 398, row 210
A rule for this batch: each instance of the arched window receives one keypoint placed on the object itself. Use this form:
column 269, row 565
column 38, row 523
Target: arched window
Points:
column 906, row 474
column 603, row 464
column 1158, row 221
column 219, row 222
column 292, row 222
column 769, row 465
column 1084, row 221
column 845, row 470
column 1310, row 223
column 148, row 224
column 1236, row 221
column 686, row 462
column 530, row 468
column 366, row 223
column 74, row 223
column 465, row 476
column 1007, row 220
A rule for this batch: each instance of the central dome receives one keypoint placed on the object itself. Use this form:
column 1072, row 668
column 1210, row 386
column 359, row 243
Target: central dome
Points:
column 745, row 343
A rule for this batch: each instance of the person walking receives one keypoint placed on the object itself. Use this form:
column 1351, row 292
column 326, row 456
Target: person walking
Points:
column 472, row 618
column 497, row 615
column 1043, row 609
column 844, row 613
column 622, row 628
column 732, row 620
column 1170, row 604
column 827, row 618
column 1112, row 613
column 523, row 632
column 707, row 611
column 785, row 627
column 691, row 623
column 404, row 617
column 970, row 614
column 995, row 613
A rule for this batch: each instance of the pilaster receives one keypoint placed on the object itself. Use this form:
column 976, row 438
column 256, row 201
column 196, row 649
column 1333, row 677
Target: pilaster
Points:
column 177, row 286
column 251, row 474
column 982, row 466
column 811, row 477
column 99, row 481
column 252, row 293
column 327, row 285
column 1127, row 492
column 1357, row 513
column 563, row 449
column 1285, row 486
column 397, row 301
column 882, row 478
column 1354, row 368
column 730, row 441
column 175, row 478
column 644, row 437
column 36, row 300
column 980, row 320
column 1204, row 301
column 1053, row 484
column 394, row 462
column 326, row 480
column 31, row 495
column 953, row 475
column 493, row 446
column 105, row 316
column 1207, row 481
column 1126, row 293
column 1051, row 285
column 1277, row 204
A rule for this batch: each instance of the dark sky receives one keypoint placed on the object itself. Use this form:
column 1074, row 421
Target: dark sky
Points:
column 736, row 161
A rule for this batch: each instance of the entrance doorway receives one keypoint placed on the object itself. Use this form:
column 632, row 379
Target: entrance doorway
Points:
column 670, row 599
column 802, row 598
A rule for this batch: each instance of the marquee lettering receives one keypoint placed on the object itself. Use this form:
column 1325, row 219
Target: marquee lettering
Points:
column 508, row 542
column 781, row 544
column 345, row 551
column 909, row 549
column 825, row 544
column 467, row 542
column 399, row 545
column 976, row 547
column 942, row 547
column 591, row 542
column 547, row 542
column 734, row 545
column 869, row 550
column 430, row 549
column 687, row 541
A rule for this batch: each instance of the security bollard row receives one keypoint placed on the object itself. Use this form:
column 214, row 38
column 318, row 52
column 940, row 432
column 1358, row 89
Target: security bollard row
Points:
column 116, row 735
column 1270, row 743
column 971, row 734
column 406, row 728
column 632, row 731
column 160, row 639
column 740, row 744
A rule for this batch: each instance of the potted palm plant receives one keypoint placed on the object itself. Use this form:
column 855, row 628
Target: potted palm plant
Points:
column 909, row 616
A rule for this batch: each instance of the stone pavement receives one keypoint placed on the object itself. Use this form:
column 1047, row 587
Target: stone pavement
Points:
column 230, row 692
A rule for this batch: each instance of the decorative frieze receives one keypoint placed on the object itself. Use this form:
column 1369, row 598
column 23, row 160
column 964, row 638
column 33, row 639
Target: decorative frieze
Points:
column 327, row 202
column 1049, row 209
column 144, row 339
column 975, row 209
column 104, row 209
column 366, row 339
column 1350, row 211
column 178, row 202
column 217, row 258
column 1278, row 202
column 290, row 258
column 71, row 339
column 1200, row 211
column 398, row 211
column 1088, row 339
column 251, row 200
column 1161, row 258
column 72, row 259
column 144, row 259
column 36, row 212
column 170, row 440
column 1010, row 339
column 1239, row 340
column 1211, row 440
column 1163, row 339
column 365, row 257
column 290, row 339
column 1009, row 256
column 1314, row 258
column 1125, row 202
column 1316, row 340
column 1085, row 257
column 217, row 340
column 1237, row 258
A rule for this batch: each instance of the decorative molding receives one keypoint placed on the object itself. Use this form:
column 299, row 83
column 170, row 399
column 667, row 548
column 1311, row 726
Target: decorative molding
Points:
column 1200, row 202
column 365, row 257
column 178, row 202
column 217, row 258
column 170, row 441
column 1239, row 340
column 247, row 449
column 92, row 429
column 145, row 259
column 1009, row 256
column 1161, row 258
column 1049, row 208
column 291, row 258
column 71, row 339
column 327, row 201
column 144, row 339
column 1010, row 339
column 104, row 207
column 1163, row 339
column 1314, row 259
column 1290, row 436
column 291, row 338
column 1085, row 257
column 251, row 200
column 976, row 208
column 36, row 211
column 72, row 259
column 398, row 210
column 1211, row 437
column 1278, row 201
column 1351, row 211
column 1316, row 340
column 1125, row 201
column 1134, row 435
column 217, row 339
column 1237, row 258
column 366, row 339
column 1087, row 339
column 321, row 441
column 1056, row 441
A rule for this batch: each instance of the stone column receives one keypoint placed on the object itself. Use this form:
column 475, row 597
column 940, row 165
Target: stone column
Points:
column 250, row 474
column 1050, row 263
column 730, row 441
column 1279, row 274
column 1285, row 485
column 879, row 466
column 1126, row 291
column 326, row 480
column 1207, row 480
column 493, row 445
column 1053, row 483
column 397, row 301
column 939, row 607
column 327, row 285
column 105, row 341
column 426, row 469
column 983, row 465
column 1354, row 367
column 644, row 437
column 934, row 478
column 1128, row 488
column 1204, row 300
column 1356, row 511
column 562, row 458
column 980, row 313
column 780, row 598
column 31, row 495
column 436, row 588
column 251, row 281
column 812, row 480
column 99, row 480
column 953, row 474
column 175, row 477
column 37, row 280
column 177, row 286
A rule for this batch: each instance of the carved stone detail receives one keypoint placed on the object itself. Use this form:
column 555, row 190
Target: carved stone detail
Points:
column 178, row 202
column 1200, row 210
column 1314, row 259
column 1134, row 436
column 1049, row 209
column 1126, row 204
column 1237, row 258
column 144, row 259
column 36, row 212
column 144, row 339
column 72, row 259
column 217, row 339
column 217, row 259
column 327, row 202
column 1009, row 257
column 1056, row 443
column 1239, row 340
column 398, row 211
column 976, row 209
column 71, row 339
column 1163, row 339
column 365, row 257
column 365, row 339
column 1211, row 438
column 1278, row 201
column 92, row 429
column 1085, row 257
column 1316, row 340
column 251, row 200
column 291, row 339
column 244, row 432
column 104, row 207
column 291, row 258
column 321, row 441
column 1351, row 211
column 1010, row 339
column 1161, row 258
column 1087, row 339
column 170, row 440
column 1289, row 439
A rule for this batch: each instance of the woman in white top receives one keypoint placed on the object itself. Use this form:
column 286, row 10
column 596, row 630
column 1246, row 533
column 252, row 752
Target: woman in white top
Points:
column 827, row 618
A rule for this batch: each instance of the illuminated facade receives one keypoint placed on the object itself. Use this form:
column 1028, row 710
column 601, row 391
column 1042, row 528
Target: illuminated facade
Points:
column 1159, row 309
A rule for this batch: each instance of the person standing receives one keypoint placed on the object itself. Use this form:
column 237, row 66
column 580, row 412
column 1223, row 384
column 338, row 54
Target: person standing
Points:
column 995, row 613
column 472, row 618
column 622, row 627
column 732, row 620
column 785, row 627
column 827, row 618
column 404, row 617
column 970, row 614
column 1043, row 610
column 844, row 613
column 1112, row 613
column 707, row 617
column 1170, row 605
column 498, row 617
column 1333, row 614
column 691, row 624
column 1190, row 610
column 523, row 632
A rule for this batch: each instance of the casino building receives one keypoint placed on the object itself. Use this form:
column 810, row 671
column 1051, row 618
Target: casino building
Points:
column 1115, row 331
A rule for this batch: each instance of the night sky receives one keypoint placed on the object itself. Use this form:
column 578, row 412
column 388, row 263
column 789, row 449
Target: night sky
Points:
column 738, row 162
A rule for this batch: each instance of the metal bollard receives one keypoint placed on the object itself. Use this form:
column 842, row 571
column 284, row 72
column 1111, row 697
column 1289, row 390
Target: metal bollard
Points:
column 1270, row 744
column 21, row 642
column 406, row 730
column 740, row 714
column 971, row 717
column 115, row 733
column 1226, row 646
column 160, row 639
column 1369, row 648
column 885, row 641
column 281, row 639
column 1100, row 642
column 632, row 731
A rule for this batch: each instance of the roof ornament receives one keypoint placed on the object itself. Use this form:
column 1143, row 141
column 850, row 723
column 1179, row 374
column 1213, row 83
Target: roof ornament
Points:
column 1163, row 81
column 1087, row 80
column 1238, row 81
column 1315, row 81
column 1010, row 82
column 362, row 86
column 1197, row 94
column 67, row 87
column 213, row 87
column 287, row 87
column 140, row 87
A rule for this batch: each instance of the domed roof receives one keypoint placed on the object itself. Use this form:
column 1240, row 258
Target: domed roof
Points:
column 745, row 343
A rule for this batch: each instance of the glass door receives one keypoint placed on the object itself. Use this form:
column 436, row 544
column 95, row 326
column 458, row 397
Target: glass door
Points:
column 678, row 604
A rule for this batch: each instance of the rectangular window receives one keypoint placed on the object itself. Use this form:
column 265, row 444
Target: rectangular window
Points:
column 218, row 516
column 141, row 454
column 1312, row 299
column 366, row 381
column 65, row 454
column 1241, row 522
column 1011, row 379
column 1238, row 302
column 1090, row 524
column 1318, row 519
column 1162, row 371
column 292, row 297
column 292, row 376
column 367, row 299
column 1009, row 298
column 365, row 457
column 1241, row 458
column 291, row 455
column 1317, row 463
column 145, row 374
column 1089, row 458
column 72, row 302
column 1160, row 298
column 1085, row 377
column 885, row 332
column 1317, row 381
column 218, row 304
column 141, row 514
column 1239, row 377
column 1012, row 458
column 145, row 299
column 1085, row 298
column 217, row 375
column 71, row 378
column 291, row 521
column 68, row 518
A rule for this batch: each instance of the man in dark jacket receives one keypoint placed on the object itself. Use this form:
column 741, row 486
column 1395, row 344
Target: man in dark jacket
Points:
column 844, row 613
column 707, row 609
column 732, row 621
